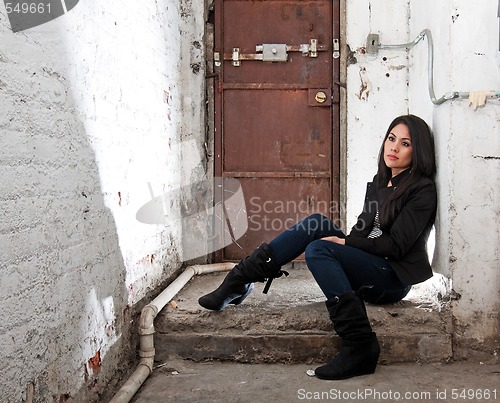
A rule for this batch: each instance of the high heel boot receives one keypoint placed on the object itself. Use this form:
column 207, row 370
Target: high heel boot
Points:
column 238, row 284
column 360, row 349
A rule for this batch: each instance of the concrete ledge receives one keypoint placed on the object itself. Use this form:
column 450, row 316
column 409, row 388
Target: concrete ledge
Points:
column 290, row 325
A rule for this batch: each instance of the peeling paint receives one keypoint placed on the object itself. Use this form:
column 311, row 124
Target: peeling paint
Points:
column 400, row 67
column 195, row 67
column 486, row 157
column 351, row 56
column 366, row 85
column 94, row 363
column 166, row 97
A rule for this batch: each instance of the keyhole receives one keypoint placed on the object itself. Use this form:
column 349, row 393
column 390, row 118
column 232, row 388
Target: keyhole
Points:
column 320, row 97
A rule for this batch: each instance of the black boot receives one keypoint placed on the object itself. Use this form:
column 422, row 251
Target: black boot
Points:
column 360, row 348
column 238, row 283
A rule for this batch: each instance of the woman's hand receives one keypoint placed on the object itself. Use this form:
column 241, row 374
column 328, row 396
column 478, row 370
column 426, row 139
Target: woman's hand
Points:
column 335, row 239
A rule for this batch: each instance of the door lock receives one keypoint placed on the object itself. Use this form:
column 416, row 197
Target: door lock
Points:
column 275, row 52
column 320, row 97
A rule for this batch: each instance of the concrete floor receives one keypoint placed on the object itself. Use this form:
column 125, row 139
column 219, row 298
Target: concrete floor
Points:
column 186, row 381
column 260, row 351
column 290, row 325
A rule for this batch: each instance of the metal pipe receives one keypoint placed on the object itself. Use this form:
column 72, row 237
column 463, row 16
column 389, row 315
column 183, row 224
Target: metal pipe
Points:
column 146, row 328
column 408, row 45
column 430, row 68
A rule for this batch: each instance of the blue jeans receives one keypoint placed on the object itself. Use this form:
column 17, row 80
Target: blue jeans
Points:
column 338, row 268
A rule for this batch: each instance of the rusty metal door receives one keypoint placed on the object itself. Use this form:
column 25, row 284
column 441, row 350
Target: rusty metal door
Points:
column 276, row 111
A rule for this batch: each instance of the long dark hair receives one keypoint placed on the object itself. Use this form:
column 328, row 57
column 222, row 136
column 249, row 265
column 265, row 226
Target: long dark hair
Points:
column 423, row 165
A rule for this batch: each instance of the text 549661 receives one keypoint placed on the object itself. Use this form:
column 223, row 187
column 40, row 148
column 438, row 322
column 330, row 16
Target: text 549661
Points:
column 28, row 8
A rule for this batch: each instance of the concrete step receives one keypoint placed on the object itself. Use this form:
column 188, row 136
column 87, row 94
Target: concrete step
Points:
column 290, row 325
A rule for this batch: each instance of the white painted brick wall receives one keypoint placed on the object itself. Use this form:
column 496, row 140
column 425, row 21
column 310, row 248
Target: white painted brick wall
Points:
column 466, row 58
column 91, row 105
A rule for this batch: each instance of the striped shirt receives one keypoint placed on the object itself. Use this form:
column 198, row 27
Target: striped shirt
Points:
column 376, row 231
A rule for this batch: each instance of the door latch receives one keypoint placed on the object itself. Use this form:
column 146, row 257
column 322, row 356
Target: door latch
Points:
column 336, row 48
column 275, row 52
column 272, row 52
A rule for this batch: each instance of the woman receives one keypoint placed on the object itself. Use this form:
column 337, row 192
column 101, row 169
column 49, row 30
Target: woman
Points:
column 383, row 255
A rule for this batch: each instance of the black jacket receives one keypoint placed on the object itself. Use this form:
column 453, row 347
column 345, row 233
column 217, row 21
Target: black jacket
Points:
column 404, row 243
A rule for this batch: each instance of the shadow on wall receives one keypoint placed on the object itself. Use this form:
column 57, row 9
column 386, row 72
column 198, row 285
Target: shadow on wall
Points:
column 62, row 285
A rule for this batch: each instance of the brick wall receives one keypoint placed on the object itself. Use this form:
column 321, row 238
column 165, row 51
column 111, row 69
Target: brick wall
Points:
column 92, row 105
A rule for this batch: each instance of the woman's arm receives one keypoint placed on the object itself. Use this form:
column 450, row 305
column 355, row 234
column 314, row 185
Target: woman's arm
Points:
column 413, row 218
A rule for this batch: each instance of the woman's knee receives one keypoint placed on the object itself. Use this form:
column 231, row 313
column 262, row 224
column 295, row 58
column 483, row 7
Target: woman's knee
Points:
column 316, row 222
column 316, row 217
column 316, row 249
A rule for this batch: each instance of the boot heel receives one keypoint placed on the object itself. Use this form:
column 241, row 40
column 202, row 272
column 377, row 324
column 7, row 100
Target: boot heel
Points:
column 217, row 300
column 239, row 300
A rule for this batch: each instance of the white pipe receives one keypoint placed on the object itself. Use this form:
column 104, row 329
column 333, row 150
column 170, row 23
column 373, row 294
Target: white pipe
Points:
column 430, row 69
column 146, row 328
column 430, row 63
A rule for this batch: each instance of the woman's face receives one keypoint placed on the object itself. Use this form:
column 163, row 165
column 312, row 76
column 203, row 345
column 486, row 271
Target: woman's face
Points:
column 398, row 149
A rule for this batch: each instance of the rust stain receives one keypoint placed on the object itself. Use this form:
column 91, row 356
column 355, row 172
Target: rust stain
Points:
column 94, row 362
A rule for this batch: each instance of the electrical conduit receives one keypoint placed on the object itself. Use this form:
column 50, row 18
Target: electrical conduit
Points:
column 146, row 328
column 426, row 33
